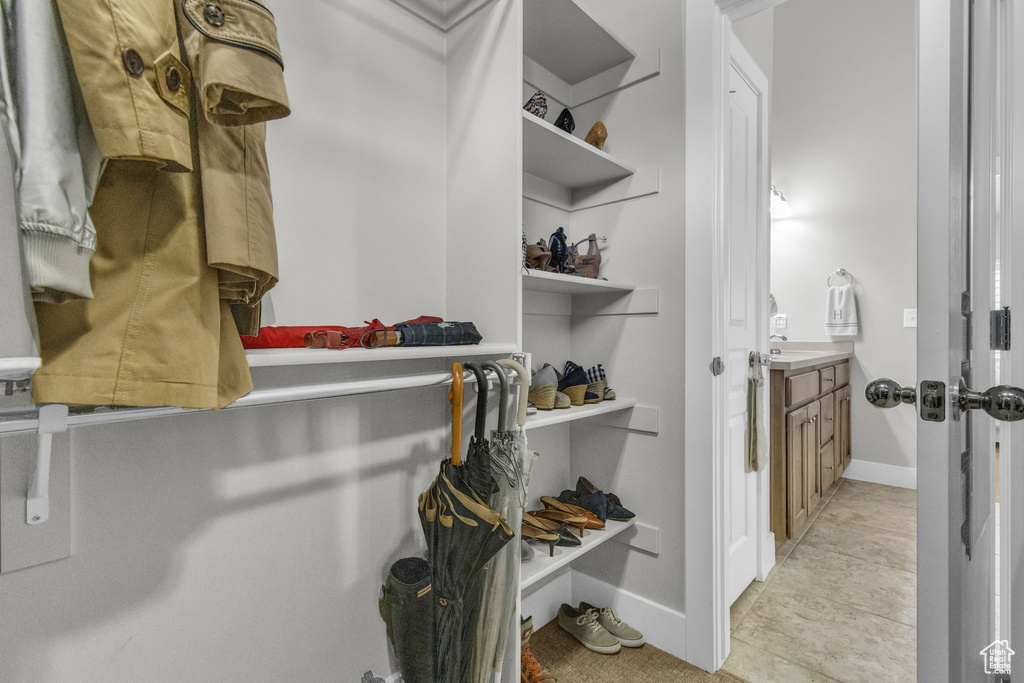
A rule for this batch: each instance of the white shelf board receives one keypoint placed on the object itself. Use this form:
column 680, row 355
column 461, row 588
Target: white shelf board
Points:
column 560, row 36
column 274, row 358
column 22, row 368
column 541, row 565
column 556, row 283
column 566, row 160
column 543, row 418
column 18, row 368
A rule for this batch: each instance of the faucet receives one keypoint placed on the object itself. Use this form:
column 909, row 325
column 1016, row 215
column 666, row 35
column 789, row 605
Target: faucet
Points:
column 776, row 351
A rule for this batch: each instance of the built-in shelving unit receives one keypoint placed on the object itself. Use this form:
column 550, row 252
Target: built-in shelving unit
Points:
column 575, row 60
column 541, row 565
column 554, row 417
column 556, row 283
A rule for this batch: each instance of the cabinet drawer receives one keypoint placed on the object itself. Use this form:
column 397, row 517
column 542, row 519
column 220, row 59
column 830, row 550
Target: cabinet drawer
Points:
column 828, row 379
column 800, row 388
column 842, row 374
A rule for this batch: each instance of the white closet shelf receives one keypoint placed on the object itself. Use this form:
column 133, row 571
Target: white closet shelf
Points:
column 540, row 566
column 552, row 417
column 17, row 368
column 556, row 283
column 563, row 38
column 566, row 160
column 22, row 368
column 273, row 358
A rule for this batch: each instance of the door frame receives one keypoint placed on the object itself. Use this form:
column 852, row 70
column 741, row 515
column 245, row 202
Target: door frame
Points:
column 707, row 38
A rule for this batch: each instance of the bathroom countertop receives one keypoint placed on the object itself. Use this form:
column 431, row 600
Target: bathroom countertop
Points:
column 798, row 355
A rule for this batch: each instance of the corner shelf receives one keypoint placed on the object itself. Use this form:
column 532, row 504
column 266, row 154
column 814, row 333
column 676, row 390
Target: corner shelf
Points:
column 592, row 50
column 556, row 283
column 564, row 159
column 540, row 566
column 552, row 417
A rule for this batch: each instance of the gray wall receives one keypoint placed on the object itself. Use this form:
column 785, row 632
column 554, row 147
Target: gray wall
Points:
column 843, row 132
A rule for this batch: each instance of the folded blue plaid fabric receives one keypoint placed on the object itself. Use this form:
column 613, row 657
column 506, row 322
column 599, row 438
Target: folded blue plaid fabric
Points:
column 438, row 334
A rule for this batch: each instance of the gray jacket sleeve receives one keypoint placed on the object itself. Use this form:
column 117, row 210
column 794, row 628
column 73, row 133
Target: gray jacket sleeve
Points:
column 59, row 162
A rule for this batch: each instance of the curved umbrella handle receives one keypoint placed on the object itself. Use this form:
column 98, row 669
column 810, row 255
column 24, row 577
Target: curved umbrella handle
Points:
column 455, row 396
column 481, row 400
column 503, row 400
column 524, row 387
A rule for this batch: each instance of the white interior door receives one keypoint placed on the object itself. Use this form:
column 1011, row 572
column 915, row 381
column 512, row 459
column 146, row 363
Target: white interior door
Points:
column 957, row 109
column 742, row 328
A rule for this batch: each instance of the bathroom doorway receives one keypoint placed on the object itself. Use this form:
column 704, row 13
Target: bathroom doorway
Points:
column 843, row 276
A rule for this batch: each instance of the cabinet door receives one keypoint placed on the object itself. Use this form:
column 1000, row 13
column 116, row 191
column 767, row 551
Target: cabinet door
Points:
column 812, row 442
column 827, row 462
column 826, row 423
column 796, row 475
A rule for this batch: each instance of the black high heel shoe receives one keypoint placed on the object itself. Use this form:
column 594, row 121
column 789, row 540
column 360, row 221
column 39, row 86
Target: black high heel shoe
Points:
column 532, row 533
column 565, row 537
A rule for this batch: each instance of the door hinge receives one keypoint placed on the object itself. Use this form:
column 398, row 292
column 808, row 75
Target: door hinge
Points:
column 999, row 330
column 965, row 304
column 966, row 498
column 717, row 367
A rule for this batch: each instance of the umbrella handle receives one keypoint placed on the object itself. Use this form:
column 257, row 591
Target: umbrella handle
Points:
column 481, row 400
column 455, row 396
column 524, row 387
column 503, row 395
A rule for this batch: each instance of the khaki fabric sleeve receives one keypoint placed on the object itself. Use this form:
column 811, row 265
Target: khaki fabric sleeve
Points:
column 116, row 46
column 236, row 61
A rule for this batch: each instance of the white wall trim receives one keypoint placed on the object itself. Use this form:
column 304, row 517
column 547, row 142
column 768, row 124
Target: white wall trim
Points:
column 879, row 473
column 662, row 627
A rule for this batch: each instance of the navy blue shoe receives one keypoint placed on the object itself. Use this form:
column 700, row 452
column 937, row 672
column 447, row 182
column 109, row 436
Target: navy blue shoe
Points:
column 574, row 385
column 592, row 498
column 616, row 512
column 613, row 508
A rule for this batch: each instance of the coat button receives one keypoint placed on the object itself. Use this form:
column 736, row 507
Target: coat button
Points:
column 173, row 78
column 214, row 15
column 133, row 63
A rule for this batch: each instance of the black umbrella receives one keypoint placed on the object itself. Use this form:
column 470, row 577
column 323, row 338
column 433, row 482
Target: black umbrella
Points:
column 462, row 535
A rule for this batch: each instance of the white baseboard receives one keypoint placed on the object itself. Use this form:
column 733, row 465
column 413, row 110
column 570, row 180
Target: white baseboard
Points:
column 877, row 473
column 662, row 627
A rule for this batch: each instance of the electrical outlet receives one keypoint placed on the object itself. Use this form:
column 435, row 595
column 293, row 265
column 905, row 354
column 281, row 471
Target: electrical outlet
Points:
column 909, row 317
column 780, row 322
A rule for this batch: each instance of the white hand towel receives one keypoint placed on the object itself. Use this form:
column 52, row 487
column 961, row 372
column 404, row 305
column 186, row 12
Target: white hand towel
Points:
column 841, row 312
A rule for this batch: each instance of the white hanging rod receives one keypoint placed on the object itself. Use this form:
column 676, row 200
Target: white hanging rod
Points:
column 28, row 421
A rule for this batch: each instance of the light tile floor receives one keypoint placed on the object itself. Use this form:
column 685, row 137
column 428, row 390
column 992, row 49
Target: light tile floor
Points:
column 840, row 604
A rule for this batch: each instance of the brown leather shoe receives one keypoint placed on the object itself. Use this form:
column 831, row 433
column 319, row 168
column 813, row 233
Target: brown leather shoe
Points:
column 593, row 522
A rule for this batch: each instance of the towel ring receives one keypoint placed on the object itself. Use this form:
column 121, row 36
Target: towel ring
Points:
column 840, row 272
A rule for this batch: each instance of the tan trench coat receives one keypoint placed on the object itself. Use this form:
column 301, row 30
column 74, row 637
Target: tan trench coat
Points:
column 183, row 213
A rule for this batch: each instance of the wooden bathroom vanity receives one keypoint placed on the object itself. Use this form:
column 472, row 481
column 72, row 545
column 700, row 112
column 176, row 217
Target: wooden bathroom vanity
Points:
column 810, row 431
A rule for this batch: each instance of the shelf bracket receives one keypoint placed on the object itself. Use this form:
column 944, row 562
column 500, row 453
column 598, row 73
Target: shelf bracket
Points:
column 53, row 419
